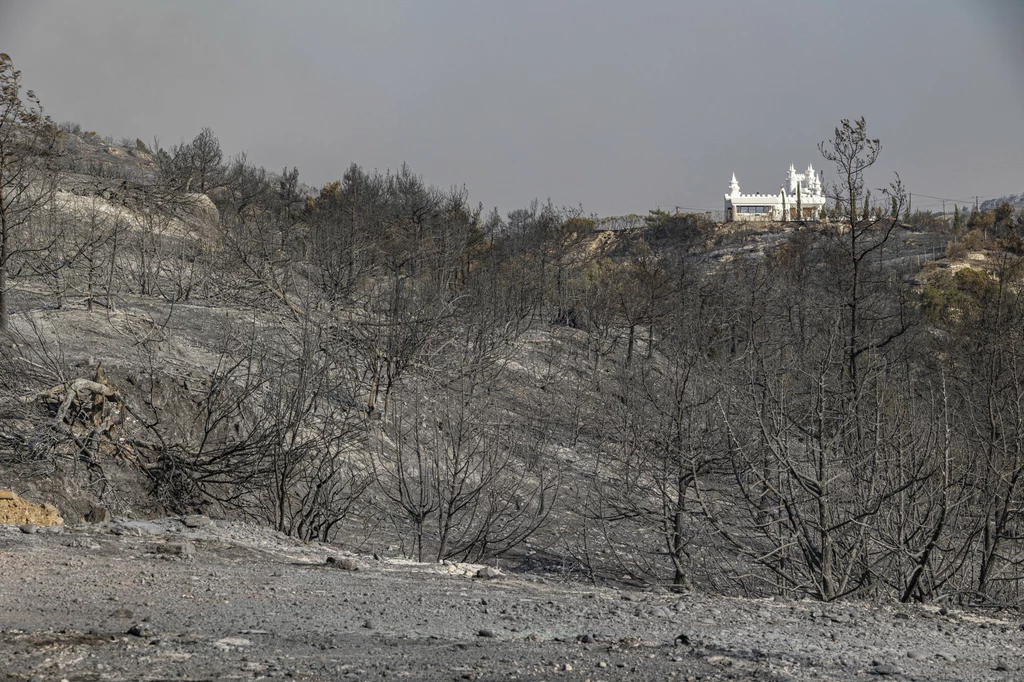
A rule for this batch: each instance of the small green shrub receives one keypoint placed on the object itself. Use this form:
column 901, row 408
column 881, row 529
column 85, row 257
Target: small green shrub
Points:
column 956, row 250
column 974, row 240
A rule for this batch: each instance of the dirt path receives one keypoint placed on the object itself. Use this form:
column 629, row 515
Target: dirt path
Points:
column 231, row 601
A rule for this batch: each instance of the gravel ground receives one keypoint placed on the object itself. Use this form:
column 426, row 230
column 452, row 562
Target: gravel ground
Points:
column 198, row 599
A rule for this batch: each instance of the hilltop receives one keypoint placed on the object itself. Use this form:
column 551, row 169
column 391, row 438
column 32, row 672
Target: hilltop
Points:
column 1014, row 200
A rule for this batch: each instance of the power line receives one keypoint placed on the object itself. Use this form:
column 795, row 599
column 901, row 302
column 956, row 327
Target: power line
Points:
column 963, row 201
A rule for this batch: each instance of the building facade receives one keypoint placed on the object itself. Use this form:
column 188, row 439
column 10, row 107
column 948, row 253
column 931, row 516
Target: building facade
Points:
column 801, row 198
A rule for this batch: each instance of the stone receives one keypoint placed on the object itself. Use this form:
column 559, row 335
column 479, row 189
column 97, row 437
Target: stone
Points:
column 567, row 668
column 917, row 655
column 488, row 573
column 28, row 528
column 886, row 669
column 229, row 642
column 139, row 630
column 196, row 521
column 98, row 514
column 16, row 511
column 602, row 664
column 485, row 632
column 587, row 639
column 185, row 550
column 344, row 563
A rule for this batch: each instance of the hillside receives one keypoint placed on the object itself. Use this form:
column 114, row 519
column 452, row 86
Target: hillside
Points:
column 759, row 410
column 1015, row 200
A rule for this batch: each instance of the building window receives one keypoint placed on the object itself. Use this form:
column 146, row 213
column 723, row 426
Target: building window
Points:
column 754, row 210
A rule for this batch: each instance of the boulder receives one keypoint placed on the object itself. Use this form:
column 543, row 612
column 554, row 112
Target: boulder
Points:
column 98, row 514
column 344, row 563
column 488, row 573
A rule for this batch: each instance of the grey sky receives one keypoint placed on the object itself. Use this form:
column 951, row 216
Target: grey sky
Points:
column 618, row 106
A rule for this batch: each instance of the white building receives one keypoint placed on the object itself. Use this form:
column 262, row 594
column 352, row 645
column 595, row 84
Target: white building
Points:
column 803, row 189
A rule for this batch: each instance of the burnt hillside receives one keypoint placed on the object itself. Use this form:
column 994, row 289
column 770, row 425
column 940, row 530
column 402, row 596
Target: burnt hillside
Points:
column 828, row 409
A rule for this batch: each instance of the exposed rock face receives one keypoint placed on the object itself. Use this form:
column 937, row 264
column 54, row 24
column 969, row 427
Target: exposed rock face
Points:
column 16, row 511
column 204, row 208
column 1015, row 200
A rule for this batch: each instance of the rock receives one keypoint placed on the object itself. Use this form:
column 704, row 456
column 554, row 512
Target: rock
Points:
column 917, row 655
column 602, row 664
column 185, row 550
column 28, row 528
column 139, row 630
column 196, row 521
column 488, row 573
column 587, row 639
column 229, row 642
column 567, row 668
column 98, row 514
column 1002, row 665
column 368, row 624
column 885, row 669
column 484, row 632
column 122, row 613
column 943, row 611
column 683, row 639
column 16, row 511
column 344, row 563
column 661, row 612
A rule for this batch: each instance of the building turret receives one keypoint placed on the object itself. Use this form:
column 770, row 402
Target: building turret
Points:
column 734, row 186
column 811, row 183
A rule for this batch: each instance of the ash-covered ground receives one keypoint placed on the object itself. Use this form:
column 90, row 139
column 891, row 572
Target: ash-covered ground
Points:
column 195, row 599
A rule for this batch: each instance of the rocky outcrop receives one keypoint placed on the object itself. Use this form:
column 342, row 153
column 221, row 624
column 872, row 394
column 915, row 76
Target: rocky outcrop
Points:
column 15, row 511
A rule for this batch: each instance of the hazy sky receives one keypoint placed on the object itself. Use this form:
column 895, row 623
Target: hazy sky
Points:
column 618, row 106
